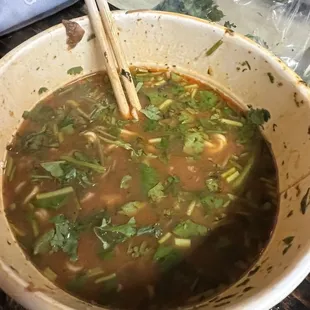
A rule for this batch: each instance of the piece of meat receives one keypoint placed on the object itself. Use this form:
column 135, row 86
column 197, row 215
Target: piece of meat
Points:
column 74, row 33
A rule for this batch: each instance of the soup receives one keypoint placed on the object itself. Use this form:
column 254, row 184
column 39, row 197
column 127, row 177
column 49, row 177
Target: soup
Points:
column 151, row 214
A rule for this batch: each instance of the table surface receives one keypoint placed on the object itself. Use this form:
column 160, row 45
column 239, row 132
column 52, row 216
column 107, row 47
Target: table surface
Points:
column 298, row 300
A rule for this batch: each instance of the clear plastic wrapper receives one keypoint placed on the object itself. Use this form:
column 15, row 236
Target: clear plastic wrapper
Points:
column 282, row 26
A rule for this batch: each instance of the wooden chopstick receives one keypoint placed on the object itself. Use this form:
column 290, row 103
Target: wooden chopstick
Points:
column 108, row 57
column 111, row 31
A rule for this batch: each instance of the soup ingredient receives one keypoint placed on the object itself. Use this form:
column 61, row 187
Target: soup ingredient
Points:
column 147, row 214
column 74, row 33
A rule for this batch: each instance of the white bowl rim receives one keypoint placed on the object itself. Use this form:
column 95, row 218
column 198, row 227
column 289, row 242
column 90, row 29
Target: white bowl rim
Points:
column 295, row 274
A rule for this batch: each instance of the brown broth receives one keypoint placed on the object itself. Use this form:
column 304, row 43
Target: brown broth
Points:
column 186, row 186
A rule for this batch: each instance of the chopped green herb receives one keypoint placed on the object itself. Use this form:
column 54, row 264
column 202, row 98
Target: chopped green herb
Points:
column 110, row 235
column 148, row 176
column 186, row 118
column 188, row 229
column 54, row 168
column 205, row 9
column 150, row 125
column 175, row 77
column 125, row 182
column 152, row 229
column 258, row 116
column 194, row 143
column 156, row 97
column 75, row 70
column 208, row 100
column 212, row 49
column 288, row 240
column 177, row 90
column 65, row 237
column 167, row 257
column 212, row 202
column 229, row 25
column 212, row 185
column 152, row 112
column 131, row 208
column 42, row 90
column 156, row 194
column 172, row 185
column 42, row 244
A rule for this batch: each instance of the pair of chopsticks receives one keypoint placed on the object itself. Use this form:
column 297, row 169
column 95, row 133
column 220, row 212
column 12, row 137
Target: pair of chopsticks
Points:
column 118, row 72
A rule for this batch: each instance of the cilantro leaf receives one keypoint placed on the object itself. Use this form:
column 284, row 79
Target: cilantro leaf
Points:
column 152, row 229
column 125, row 181
column 65, row 237
column 98, row 112
column 254, row 119
column 212, row 185
column 110, row 235
column 194, row 143
column 150, row 125
column 186, row 118
column 208, row 100
column 131, row 208
column 177, row 89
column 72, row 174
column 42, row 90
column 156, row 97
column 258, row 116
column 156, row 194
column 230, row 25
column 167, row 257
column 42, row 244
column 54, row 168
column 172, row 185
column 212, row 201
column 75, row 70
column 206, row 9
column 149, row 177
column 151, row 112
column 189, row 229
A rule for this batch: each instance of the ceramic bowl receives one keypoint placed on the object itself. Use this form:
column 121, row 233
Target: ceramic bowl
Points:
column 240, row 69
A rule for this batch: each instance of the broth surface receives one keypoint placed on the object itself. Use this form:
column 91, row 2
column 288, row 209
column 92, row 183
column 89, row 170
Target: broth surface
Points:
column 150, row 214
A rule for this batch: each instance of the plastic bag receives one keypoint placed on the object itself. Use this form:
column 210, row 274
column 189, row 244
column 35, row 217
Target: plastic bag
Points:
column 282, row 26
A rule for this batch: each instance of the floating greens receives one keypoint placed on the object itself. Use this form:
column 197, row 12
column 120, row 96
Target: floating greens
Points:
column 108, row 207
